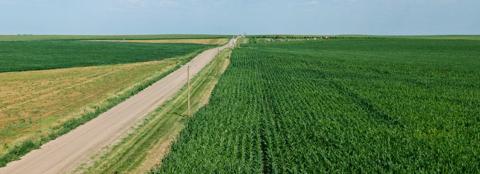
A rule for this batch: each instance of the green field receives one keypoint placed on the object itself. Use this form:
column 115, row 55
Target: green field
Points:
column 39, row 55
column 108, row 37
column 443, row 37
column 79, row 80
column 343, row 105
column 312, row 37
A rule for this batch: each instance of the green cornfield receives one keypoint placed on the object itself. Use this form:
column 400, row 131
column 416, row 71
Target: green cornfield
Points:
column 371, row 105
column 54, row 54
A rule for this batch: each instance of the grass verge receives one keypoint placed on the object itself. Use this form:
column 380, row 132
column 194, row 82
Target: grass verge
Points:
column 149, row 142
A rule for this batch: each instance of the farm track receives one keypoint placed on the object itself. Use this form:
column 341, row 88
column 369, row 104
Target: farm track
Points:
column 150, row 142
column 66, row 152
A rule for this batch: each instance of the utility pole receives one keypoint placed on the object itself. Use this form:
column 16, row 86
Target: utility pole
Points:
column 188, row 91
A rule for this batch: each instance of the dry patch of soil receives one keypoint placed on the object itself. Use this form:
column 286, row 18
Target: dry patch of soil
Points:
column 33, row 102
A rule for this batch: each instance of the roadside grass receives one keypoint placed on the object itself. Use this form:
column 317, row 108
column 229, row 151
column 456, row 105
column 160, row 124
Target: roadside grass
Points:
column 41, row 55
column 149, row 142
column 215, row 41
column 73, row 96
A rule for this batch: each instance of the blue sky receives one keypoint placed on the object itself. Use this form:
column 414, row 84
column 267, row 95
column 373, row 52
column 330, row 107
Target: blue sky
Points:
column 240, row 16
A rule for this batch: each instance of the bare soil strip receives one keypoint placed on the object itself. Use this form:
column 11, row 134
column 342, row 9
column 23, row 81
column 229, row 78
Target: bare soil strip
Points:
column 66, row 152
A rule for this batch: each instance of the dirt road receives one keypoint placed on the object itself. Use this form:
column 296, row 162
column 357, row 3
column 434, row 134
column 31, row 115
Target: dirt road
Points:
column 68, row 151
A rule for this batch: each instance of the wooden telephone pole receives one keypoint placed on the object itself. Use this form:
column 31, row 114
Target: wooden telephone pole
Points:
column 188, row 91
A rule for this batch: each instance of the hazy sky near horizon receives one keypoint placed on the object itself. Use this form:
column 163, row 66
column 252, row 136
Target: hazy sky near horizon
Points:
column 240, row 16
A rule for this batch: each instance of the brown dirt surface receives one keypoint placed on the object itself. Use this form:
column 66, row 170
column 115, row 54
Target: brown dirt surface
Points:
column 67, row 93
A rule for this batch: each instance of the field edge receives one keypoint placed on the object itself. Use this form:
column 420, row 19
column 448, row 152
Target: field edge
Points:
column 143, row 148
column 18, row 150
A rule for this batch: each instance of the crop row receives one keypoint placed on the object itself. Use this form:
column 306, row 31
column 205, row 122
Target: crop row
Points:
column 351, row 105
column 53, row 54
